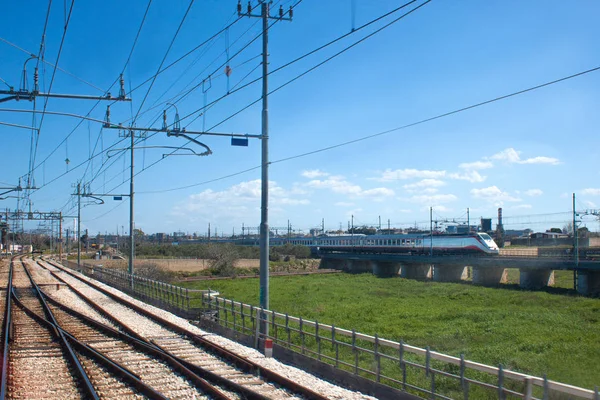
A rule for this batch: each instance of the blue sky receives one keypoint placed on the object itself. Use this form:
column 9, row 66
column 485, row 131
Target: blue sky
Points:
column 526, row 154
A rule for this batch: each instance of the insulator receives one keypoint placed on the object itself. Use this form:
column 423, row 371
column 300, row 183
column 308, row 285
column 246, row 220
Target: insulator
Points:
column 291, row 12
column 36, row 80
column 239, row 7
column 280, row 11
column 249, row 8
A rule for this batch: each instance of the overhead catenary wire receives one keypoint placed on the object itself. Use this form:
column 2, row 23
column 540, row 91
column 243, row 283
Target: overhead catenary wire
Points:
column 298, row 76
column 388, row 131
column 62, row 41
column 163, row 60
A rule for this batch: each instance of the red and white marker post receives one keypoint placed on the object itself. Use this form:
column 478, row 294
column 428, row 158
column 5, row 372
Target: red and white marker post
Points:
column 268, row 348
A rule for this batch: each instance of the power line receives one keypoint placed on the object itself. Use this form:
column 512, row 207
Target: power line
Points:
column 298, row 76
column 163, row 60
column 399, row 128
column 62, row 41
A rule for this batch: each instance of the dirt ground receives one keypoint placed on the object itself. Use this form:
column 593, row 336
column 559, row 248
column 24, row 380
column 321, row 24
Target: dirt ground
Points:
column 184, row 265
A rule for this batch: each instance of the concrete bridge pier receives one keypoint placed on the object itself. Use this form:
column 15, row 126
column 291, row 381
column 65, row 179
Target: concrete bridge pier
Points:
column 588, row 283
column 359, row 266
column 489, row 276
column 416, row 271
column 333, row 263
column 535, row 279
column 449, row 273
column 385, row 269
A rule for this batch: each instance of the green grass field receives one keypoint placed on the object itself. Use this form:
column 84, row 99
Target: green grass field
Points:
column 546, row 332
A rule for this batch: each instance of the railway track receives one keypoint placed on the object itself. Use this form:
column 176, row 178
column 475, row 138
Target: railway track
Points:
column 214, row 364
column 58, row 353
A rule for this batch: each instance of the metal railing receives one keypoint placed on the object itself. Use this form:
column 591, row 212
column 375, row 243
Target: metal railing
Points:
column 417, row 370
column 181, row 301
column 409, row 368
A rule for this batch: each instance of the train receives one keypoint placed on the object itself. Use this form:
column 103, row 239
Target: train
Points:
column 471, row 243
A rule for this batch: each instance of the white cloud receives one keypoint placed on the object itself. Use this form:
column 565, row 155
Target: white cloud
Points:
column 590, row 204
column 425, row 183
column 591, row 191
column 493, row 194
column 433, row 199
column 471, row 176
column 233, row 203
column 377, row 193
column 338, row 184
column 313, row 173
column 541, row 160
column 344, row 204
column 511, row 155
column 408, row 173
column 522, row 207
column 476, row 165
column 534, row 192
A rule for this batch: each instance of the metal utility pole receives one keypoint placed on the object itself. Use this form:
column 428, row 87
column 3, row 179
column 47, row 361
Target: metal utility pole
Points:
column 575, row 245
column 131, row 215
column 60, row 238
column 468, row 222
column 431, row 231
column 67, row 244
column 79, row 225
column 264, row 203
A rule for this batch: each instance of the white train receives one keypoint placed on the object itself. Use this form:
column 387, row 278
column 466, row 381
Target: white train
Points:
column 410, row 243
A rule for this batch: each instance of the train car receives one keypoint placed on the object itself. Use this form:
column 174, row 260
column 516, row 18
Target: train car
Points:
column 474, row 243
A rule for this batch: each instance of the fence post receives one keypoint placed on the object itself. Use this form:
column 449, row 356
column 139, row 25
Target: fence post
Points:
column 402, row 364
column 355, row 352
column 233, row 315
column 463, row 383
column 243, row 318
column 187, row 296
column 427, row 360
column 318, row 339
column 301, row 335
column 287, row 329
column 377, row 359
column 500, row 382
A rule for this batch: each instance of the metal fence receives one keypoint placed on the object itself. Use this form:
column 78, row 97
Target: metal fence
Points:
column 179, row 300
column 397, row 364
column 420, row 371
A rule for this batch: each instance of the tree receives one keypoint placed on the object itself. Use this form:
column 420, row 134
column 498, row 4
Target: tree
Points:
column 583, row 232
column 555, row 230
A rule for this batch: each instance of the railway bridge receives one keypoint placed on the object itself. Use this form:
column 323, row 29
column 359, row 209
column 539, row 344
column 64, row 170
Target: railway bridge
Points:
column 536, row 272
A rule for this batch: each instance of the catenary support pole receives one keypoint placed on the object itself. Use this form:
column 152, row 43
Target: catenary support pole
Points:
column 79, row 226
column 131, row 221
column 264, row 201
column 575, row 245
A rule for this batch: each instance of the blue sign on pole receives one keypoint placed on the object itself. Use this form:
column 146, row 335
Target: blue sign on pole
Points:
column 118, row 198
column 239, row 142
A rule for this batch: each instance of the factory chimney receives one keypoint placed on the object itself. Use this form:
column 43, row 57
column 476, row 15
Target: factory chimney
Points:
column 500, row 230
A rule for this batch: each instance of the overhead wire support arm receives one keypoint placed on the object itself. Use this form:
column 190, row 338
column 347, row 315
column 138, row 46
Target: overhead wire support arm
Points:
column 173, row 132
column 25, row 94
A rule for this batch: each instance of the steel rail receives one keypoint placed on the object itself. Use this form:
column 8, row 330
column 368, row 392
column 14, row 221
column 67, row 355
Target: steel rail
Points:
column 197, row 374
column 88, row 388
column 240, row 362
column 144, row 346
column 6, row 331
column 115, row 367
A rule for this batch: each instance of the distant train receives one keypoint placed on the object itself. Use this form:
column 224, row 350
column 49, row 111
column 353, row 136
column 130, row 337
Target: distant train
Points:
column 407, row 243
column 411, row 243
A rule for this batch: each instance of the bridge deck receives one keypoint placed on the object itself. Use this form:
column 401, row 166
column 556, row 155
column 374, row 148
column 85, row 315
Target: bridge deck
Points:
column 554, row 263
